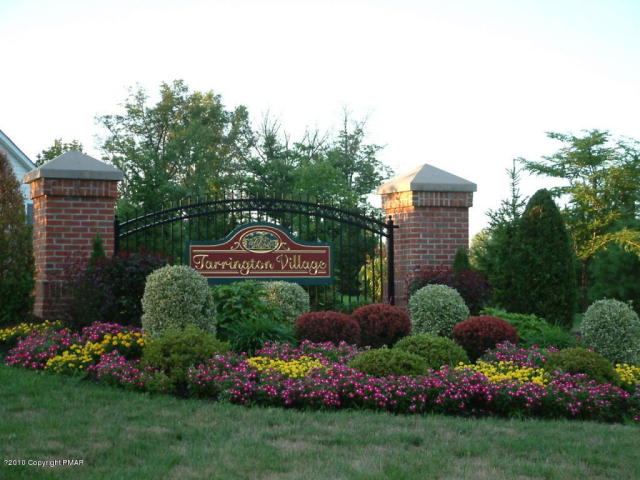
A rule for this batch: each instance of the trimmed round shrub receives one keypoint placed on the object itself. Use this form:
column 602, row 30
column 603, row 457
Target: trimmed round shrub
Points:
column 381, row 324
column 436, row 309
column 471, row 285
column 177, row 296
column 612, row 328
column 292, row 299
column 479, row 334
column 436, row 351
column 579, row 360
column 327, row 327
column 383, row 362
column 177, row 350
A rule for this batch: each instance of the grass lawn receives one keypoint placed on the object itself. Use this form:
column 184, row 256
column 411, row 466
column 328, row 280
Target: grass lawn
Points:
column 126, row 435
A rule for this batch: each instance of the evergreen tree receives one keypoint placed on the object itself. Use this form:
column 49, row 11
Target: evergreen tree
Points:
column 461, row 261
column 97, row 251
column 492, row 252
column 16, row 250
column 544, row 281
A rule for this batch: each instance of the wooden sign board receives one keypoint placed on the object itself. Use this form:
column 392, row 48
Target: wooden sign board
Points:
column 262, row 251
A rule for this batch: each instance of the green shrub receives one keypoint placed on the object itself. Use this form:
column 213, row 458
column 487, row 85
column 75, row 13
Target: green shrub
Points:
column 436, row 309
column 239, row 301
column 177, row 296
column 16, row 251
column 579, row 360
column 177, row 350
column 436, row 351
column 383, row 362
column 612, row 328
column 543, row 264
column 250, row 334
column 292, row 299
column 533, row 330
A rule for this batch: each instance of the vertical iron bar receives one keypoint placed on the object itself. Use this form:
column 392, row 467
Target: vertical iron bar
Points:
column 116, row 235
column 390, row 273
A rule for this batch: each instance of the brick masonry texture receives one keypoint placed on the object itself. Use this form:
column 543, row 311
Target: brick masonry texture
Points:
column 67, row 216
column 432, row 226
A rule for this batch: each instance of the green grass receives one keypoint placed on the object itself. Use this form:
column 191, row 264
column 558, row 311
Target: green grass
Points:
column 125, row 435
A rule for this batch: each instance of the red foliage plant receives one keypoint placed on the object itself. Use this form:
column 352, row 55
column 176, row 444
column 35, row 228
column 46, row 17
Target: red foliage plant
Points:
column 472, row 286
column 381, row 324
column 479, row 334
column 328, row 327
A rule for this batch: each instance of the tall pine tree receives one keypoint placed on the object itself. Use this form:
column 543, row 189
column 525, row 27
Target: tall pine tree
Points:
column 16, row 250
column 543, row 263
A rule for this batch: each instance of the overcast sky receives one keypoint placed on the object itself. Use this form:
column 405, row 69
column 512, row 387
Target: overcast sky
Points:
column 463, row 85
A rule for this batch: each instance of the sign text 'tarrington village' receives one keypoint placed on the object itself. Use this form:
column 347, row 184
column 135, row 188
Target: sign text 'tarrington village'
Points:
column 262, row 251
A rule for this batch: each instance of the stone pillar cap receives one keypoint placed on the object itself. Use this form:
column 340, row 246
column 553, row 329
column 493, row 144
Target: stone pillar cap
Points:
column 427, row 178
column 74, row 165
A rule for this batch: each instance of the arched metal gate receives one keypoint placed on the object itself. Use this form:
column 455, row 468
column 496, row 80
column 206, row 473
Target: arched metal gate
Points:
column 363, row 242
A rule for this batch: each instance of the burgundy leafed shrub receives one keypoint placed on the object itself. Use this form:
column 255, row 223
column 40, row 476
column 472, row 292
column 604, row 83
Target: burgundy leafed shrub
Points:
column 109, row 291
column 328, row 327
column 471, row 286
column 381, row 324
column 479, row 334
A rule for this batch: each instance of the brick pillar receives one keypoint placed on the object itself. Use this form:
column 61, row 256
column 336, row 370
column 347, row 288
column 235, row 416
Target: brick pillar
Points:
column 73, row 200
column 431, row 209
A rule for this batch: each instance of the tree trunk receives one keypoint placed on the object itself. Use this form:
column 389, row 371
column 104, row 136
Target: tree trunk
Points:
column 584, row 285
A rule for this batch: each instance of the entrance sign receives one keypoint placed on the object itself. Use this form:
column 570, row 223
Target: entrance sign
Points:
column 262, row 251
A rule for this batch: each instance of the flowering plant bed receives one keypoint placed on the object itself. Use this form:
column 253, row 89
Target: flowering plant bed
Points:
column 508, row 381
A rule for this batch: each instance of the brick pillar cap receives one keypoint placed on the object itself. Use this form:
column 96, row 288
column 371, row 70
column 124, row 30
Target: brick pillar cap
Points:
column 74, row 165
column 427, row 178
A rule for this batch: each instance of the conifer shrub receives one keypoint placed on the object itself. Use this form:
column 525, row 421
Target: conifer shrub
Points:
column 381, row 324
column 383, row 362
column 291, row 298
column 479, row 334
column 436, row 351
column 16, row 251
column 543, row 264
column 579, row 360
column 436, row 309
column 177, row 350
column 612, row 328
column 461, row 261
column 328, row 326
column 471, row 285
column 177, row 296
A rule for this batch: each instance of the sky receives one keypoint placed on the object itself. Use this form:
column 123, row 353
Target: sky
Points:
column 463, row 85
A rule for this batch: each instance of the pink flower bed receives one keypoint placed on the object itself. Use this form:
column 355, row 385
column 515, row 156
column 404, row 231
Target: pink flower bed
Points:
column 334, row 385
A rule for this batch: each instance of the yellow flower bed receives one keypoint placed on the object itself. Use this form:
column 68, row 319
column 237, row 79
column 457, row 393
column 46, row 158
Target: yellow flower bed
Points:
column 293, row 368
column 629, row 374
column 24, row 329
column 507, row 371
column 78, row 357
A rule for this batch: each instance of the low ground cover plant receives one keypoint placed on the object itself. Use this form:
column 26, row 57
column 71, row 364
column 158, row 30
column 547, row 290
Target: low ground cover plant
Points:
column 507, row 381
